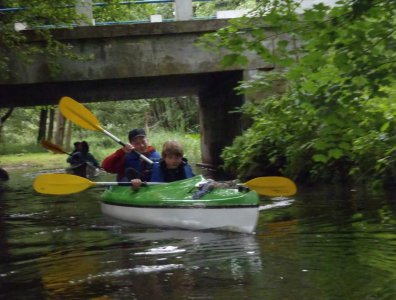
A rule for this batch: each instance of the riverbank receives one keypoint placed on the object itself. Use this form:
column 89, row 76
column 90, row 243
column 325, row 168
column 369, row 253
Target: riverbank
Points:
column 27, row 156
column 32, row 161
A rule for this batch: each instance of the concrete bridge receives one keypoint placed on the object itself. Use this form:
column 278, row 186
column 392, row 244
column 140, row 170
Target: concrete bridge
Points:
column 137, row 61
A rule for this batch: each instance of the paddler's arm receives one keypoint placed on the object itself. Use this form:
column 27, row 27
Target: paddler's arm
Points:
column 114, row 163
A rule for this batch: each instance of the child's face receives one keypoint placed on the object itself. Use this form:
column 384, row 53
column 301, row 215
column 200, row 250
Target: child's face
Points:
column 172, row 161
column 140, row 144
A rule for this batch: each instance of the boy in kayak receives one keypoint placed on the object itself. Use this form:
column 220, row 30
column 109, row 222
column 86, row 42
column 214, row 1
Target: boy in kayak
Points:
column 126, row 163
column 172, row 166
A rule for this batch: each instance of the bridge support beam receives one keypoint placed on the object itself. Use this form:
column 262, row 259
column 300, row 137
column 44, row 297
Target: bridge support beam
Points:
column 219, row 125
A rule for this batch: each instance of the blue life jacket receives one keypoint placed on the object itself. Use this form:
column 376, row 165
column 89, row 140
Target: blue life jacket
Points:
column 161, row 174
column 137, row 168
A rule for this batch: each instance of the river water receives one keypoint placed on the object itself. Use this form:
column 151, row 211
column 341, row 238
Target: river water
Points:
column 323, row 243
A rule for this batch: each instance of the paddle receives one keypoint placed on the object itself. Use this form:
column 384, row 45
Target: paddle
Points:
column 81, row 116
column 63, row 184
column 52, row 147
column 272, row 186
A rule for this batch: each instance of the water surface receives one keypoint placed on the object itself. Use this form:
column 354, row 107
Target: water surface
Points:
column 324, row 243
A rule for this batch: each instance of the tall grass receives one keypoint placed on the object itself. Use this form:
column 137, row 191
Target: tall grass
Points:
column 13, row 148
column 101, row 146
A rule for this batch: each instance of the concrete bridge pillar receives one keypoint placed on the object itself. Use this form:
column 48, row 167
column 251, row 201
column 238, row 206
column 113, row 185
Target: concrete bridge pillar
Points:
column 219, row 126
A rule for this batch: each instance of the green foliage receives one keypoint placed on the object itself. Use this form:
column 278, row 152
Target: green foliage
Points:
column 36, row 14
column 163, row 119
column 172, row 114
column 21, row 120
column 116, row 12
column 209, row 8
column 335, row 118
column 42, row 15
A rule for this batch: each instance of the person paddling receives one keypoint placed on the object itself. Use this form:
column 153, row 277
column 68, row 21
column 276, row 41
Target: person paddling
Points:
column 126, row 163
column 81, row 158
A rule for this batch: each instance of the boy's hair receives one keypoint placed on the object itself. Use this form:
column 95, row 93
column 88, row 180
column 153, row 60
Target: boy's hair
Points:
column 172, row 148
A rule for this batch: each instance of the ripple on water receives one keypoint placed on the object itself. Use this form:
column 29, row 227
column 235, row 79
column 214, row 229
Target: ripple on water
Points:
column 137, row 270
column 277, row 202
column 161, row 250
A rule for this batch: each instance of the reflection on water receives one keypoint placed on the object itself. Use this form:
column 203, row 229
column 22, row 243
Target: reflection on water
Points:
column 320, row 244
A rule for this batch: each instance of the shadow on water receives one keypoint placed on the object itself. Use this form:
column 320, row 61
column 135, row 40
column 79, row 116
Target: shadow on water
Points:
column 324, row 243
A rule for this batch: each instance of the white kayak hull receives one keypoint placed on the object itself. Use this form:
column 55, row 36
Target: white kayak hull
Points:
column 237, row 219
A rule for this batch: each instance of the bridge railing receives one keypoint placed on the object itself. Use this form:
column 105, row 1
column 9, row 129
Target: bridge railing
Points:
column 164, row 11
column 102, row 13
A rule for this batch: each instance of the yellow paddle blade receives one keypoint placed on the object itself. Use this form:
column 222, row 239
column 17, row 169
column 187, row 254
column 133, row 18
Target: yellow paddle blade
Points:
column 52, row 147
column 60, row 184
column 78, row 114
column 272, row 186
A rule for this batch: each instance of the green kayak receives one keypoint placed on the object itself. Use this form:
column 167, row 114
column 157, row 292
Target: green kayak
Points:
column 172, row 205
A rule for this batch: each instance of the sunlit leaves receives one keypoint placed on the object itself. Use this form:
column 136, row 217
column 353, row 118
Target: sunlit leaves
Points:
column 234, row 59
column 320, row 158
column 335, row 153
column 385, row 126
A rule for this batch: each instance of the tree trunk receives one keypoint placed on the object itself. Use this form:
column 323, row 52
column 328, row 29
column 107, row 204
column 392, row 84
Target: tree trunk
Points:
column 68, row 126
column 60, row 129
column 42, row 125
column 3, row 119
column 51, row 124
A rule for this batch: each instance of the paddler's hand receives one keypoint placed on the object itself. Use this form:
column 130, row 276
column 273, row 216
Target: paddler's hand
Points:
column 128, row 148
column 136, row 184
